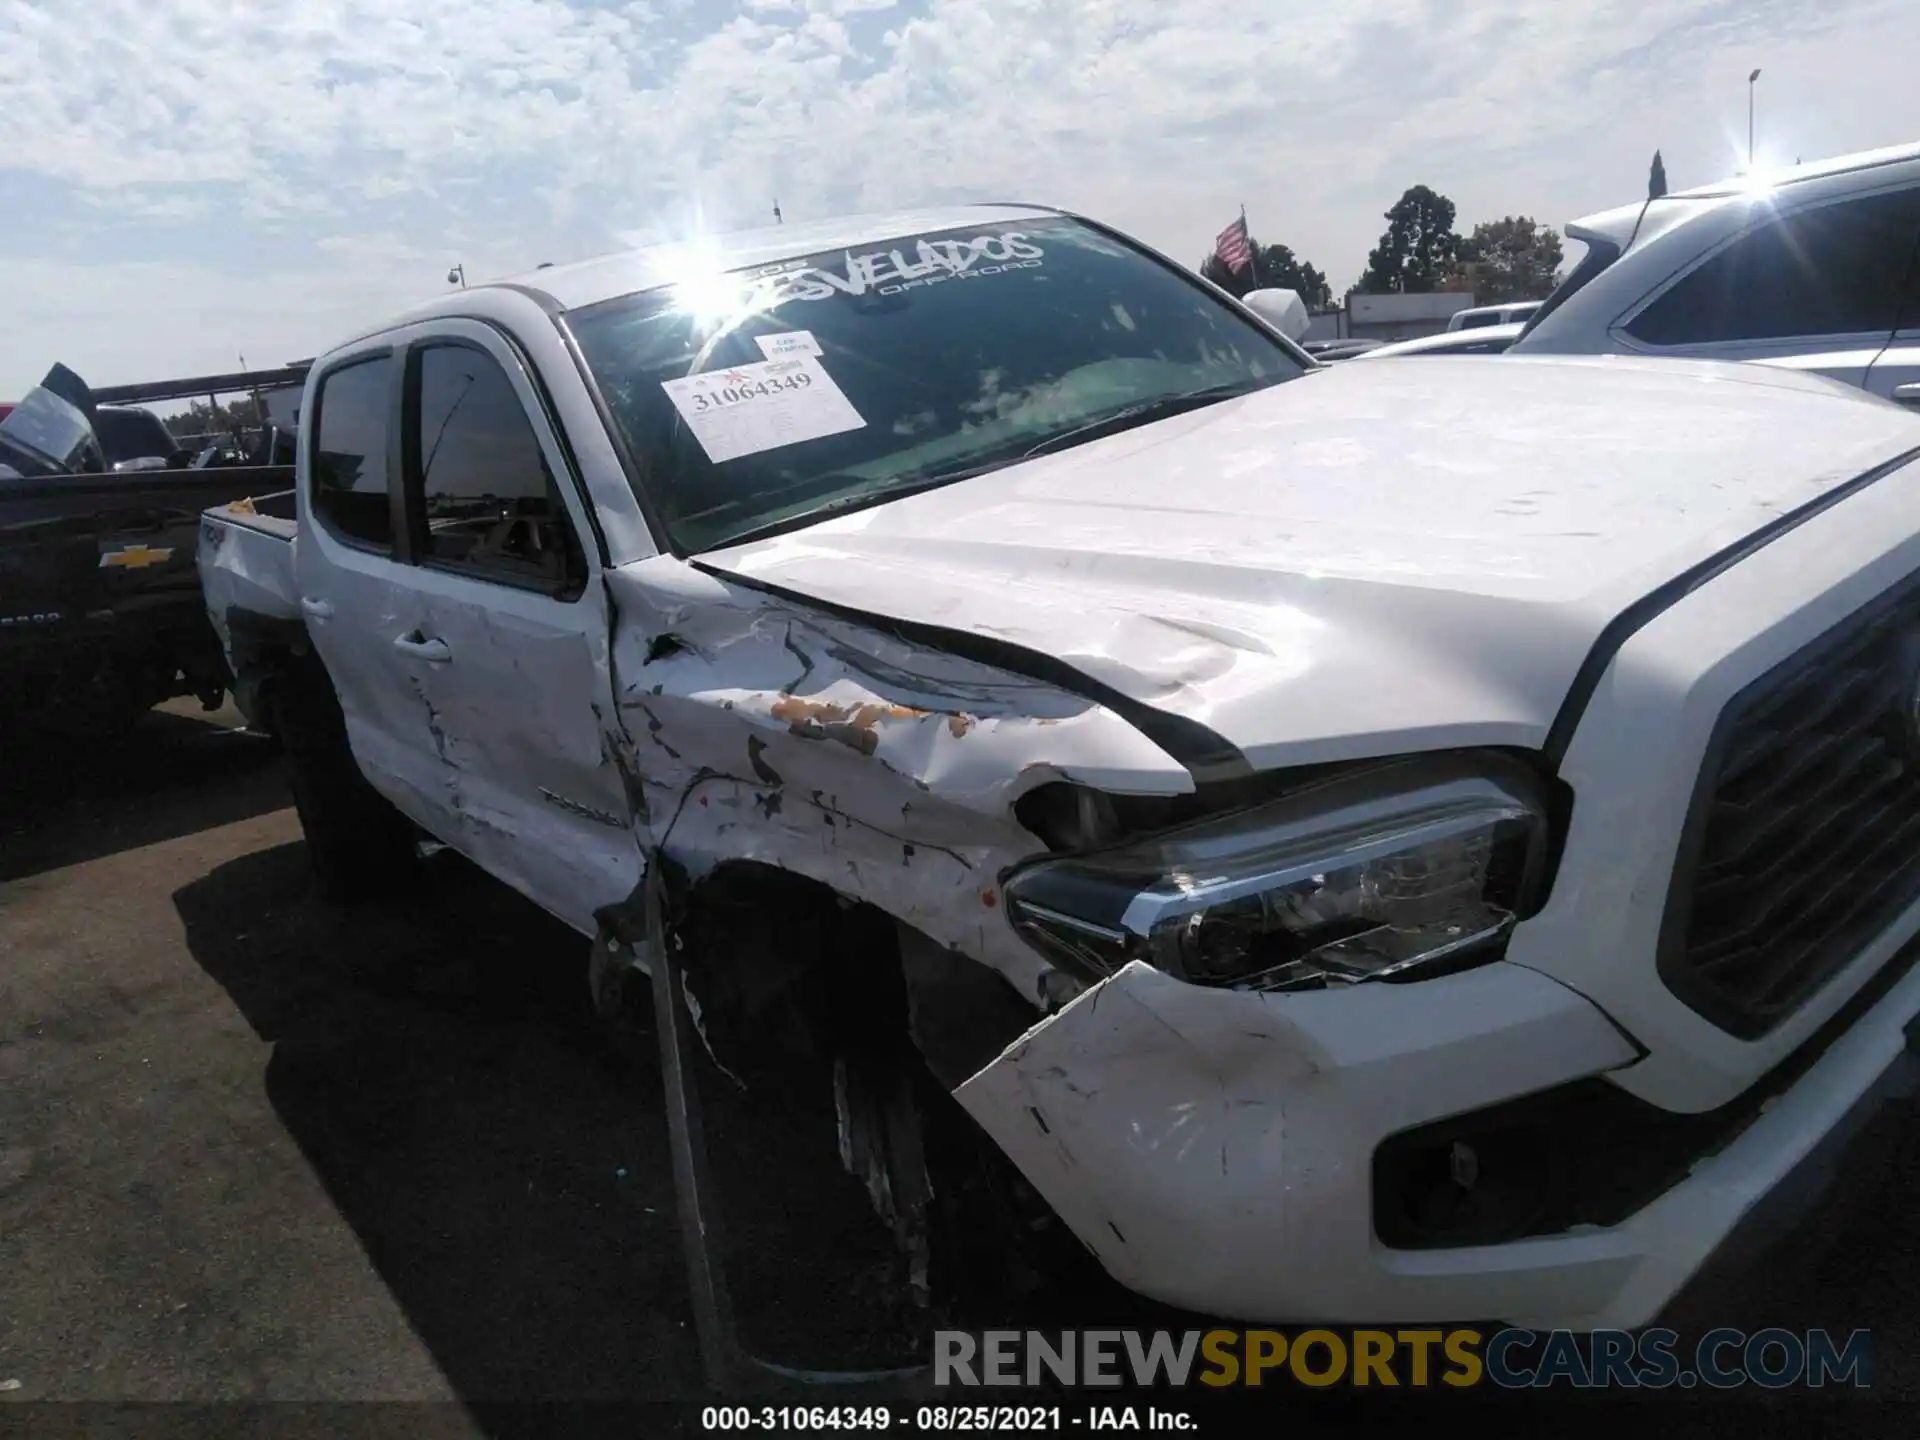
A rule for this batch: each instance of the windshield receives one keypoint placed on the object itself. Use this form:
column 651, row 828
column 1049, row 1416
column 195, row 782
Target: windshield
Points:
column 133, row 434
column 759, row 400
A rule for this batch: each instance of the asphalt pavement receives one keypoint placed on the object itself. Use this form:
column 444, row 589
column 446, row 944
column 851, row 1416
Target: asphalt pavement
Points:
column 254, row 1146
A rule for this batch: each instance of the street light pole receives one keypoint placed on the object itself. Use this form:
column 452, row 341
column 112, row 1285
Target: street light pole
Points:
column 1750, row 79
column 458, row 275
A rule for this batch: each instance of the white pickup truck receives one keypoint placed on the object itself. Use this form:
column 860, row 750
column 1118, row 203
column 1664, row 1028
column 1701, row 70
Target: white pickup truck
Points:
column 1389, row 842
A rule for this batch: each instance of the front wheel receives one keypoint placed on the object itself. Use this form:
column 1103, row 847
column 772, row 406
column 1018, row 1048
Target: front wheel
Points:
column 359, row 844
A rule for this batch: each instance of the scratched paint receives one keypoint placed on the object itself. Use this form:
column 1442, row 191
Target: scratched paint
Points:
column 245, row 567
column 769, row 732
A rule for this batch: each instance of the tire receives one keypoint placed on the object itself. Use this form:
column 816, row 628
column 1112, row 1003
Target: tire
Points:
column 360, row 846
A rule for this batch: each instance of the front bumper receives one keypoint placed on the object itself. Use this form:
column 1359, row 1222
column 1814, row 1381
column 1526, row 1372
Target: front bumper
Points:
column 1215, row 1149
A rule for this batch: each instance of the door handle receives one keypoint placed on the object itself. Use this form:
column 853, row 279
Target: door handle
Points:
column 1907, row 394
column 318, row 609
column 434, row 652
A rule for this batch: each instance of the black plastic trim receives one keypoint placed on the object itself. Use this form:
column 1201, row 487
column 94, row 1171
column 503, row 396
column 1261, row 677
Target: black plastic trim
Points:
column 1618, row 1153
column 1637, row 616
column 403, row 424
column 1670, row 954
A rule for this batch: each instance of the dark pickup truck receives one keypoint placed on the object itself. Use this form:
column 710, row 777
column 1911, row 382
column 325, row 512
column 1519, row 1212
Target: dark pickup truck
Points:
column 101, row 615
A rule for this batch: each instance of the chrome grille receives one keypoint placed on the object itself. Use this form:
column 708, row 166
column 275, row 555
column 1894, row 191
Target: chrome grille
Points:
column 1803, row 841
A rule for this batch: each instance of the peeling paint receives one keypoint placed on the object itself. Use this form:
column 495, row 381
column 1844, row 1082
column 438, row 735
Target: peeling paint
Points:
column 909, row 799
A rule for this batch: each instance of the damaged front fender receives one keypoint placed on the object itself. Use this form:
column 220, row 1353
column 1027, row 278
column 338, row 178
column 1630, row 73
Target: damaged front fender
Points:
column 761, row 730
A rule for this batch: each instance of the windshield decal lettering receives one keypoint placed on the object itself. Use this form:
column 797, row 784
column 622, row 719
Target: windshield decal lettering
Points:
column 926, row 262
column 788, row 342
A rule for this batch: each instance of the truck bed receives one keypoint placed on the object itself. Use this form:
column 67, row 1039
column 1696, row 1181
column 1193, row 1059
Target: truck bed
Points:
column 246, row 576
column 91, row 562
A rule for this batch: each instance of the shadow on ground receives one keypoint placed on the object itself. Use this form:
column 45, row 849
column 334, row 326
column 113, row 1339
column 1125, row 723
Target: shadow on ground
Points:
column 67, row 801
column 500, row 1156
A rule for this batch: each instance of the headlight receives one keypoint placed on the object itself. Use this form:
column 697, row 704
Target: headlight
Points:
column 1368, row 876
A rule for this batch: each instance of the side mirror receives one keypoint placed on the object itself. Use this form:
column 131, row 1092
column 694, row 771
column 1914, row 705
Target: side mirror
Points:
column 1282, row 309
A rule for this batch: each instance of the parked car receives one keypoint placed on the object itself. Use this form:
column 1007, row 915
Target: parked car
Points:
column 136, row 439
column 101, row 615
column 1813, row 269
column 1328, row 351
column 1350, row 843
column 1482, row 316
column 1487, row 340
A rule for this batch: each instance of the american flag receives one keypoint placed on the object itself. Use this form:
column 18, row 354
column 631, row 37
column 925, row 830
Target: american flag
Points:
column 1233, row 247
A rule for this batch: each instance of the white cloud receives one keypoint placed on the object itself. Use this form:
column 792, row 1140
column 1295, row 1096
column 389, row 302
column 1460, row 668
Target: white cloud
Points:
column 392, row 138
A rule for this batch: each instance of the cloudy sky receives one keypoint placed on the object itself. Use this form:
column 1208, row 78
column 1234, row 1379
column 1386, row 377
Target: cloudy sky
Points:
column 183, row 182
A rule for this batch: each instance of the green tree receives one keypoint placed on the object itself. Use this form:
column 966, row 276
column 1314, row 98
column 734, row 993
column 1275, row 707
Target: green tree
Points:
column 1274, row 266
column 1512, row 259
column 202, row 418
column 1419, row 250
column 1657, row 178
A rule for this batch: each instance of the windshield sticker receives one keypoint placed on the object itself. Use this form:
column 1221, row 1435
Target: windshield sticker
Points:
column 904, row 267
column 789, row 342
column 752, row 408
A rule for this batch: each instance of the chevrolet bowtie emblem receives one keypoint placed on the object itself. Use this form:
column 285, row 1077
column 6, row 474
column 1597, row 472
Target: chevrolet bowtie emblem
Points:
column 135, row 557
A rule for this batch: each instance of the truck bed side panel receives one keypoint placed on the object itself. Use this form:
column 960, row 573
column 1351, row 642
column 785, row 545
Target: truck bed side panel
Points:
column 246, row 567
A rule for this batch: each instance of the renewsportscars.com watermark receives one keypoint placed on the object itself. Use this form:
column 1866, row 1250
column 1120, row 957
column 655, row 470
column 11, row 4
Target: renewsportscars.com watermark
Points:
column 1509, row 1359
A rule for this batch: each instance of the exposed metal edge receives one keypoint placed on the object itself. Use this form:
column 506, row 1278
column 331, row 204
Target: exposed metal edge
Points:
column 1645, row 611
column 1205, row 753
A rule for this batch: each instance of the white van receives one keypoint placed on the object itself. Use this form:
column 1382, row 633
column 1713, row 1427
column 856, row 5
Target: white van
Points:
column 1482, row 315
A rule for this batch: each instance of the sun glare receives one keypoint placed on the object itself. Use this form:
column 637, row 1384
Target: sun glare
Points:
column 701, row 287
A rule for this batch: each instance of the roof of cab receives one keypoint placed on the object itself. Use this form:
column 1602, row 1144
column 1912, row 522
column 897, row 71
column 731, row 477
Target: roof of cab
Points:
column 1644, row 221
column 589, row 281
column 1812, row 170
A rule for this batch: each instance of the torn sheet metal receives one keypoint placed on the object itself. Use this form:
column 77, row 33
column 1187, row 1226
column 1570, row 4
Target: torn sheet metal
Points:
column 1213, row 1147
column 767, row 732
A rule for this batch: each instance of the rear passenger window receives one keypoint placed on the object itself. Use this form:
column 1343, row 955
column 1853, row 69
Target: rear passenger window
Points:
column 350, row 452
column 1836, row 270
column 490, row 503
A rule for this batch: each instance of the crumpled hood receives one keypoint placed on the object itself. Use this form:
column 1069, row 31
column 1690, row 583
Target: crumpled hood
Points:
column 1405, row 555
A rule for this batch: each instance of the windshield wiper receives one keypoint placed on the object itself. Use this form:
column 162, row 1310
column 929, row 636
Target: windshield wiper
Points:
column 1124, row 418
column 840, row 505
column 1142, row 413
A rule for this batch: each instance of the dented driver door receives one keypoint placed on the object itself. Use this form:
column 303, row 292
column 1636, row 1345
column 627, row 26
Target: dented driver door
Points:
column 510, row 652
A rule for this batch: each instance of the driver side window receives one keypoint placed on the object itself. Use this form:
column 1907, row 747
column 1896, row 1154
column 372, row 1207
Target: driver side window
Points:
column 482, row 498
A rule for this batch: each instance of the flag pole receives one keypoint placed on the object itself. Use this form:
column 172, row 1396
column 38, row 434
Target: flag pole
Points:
column 1253, row 252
